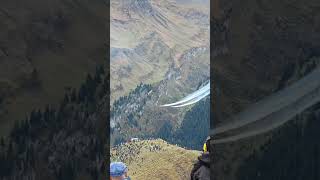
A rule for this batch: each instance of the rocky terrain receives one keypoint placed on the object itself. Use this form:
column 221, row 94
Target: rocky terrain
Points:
column 155, row 159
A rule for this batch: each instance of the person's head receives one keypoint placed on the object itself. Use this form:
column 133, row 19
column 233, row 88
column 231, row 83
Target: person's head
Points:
column 118, row 171
column 206, row 145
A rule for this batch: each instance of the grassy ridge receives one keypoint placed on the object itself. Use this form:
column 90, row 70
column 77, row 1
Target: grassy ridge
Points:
column 155, row 159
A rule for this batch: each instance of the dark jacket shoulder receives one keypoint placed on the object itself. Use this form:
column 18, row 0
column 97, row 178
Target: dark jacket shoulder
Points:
column 201, row 169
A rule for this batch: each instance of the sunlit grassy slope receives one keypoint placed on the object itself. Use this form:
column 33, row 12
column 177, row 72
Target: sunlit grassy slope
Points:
column 155, row 159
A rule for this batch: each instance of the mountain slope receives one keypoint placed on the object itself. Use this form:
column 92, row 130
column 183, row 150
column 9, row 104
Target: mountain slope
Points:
column 142, row 105
column 65, row 143
column 149, row 38
column 262, row 46
column 46, row 49
column 298, row 146
column 159, row 53
column 155, row 159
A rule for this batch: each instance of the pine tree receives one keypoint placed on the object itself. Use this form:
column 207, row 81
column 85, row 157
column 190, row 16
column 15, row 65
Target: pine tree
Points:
column 97, row 76
column 2, row 143
column 73, row 96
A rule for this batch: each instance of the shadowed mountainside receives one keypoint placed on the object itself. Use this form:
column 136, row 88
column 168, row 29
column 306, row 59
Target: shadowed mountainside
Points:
column 46, row 49
column 261, row 46
column 68, row 142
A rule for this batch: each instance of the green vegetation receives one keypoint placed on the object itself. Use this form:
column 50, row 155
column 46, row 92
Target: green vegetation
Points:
column 60, row 143
column 124, row 99
column 191, row 133
column 194, row 128
column 293, row 152
column 133, row 103
column 46, row 53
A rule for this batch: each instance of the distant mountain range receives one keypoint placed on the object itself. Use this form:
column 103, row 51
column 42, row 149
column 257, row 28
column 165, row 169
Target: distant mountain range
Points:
column 149, row 39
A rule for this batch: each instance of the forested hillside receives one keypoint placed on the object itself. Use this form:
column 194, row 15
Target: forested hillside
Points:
column 193, row 130
column 262, row 47
column 293, row 150
column 68, row 142
column 293, row 153
column 190, row 133
column 46, row 49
